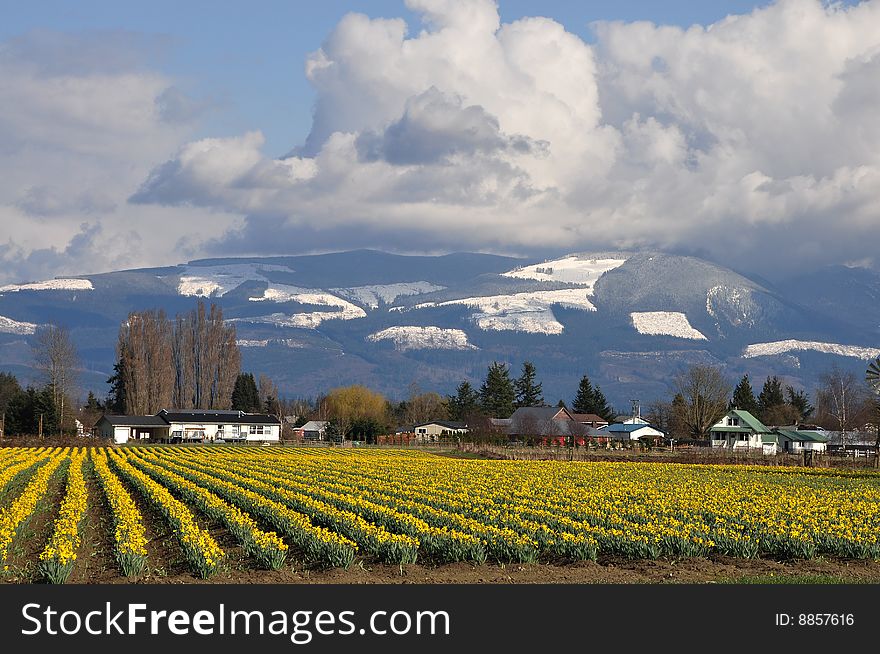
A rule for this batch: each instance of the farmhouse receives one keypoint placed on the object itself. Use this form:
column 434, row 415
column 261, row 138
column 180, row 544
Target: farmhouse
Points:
column 631, row 431
column 430, row 432
column 191, row 426
column 740, row 429
column 122, row 429
column 315, row 430
column 800, row 440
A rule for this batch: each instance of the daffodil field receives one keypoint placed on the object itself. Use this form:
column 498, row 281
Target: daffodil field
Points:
column 330, row 507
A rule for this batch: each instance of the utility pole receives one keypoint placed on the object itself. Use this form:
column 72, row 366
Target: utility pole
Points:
column 41, row 426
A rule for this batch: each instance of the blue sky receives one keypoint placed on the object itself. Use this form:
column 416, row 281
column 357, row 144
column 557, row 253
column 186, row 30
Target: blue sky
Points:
column 246, row 58
column 146, row 134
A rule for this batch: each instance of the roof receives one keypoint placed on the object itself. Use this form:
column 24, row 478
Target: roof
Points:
column 134, row 421
column 803, row 436
column 218, row 417
column 315, row 425
column 539, row 413
column 750, row 421
column 622, row 428
column 588, row 417
column 443, row 423
column 733, row 430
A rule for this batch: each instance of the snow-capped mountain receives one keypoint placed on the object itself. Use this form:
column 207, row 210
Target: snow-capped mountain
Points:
column 629, row 320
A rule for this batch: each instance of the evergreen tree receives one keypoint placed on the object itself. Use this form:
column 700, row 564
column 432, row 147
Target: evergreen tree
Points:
column 465, row 402
column 528, row 392
column 27, row 409
column 800, row 402
column 677, row 424
column 771, row 396
column 744, row 397
column 92, row 403
column 117, row 397
column 245, row 396
column 600, row 405
column 497, row 393
column 585, row 401
column 561, row 404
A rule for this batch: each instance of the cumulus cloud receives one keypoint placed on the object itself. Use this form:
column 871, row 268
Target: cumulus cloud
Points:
column 754, row 139
column 84, row 119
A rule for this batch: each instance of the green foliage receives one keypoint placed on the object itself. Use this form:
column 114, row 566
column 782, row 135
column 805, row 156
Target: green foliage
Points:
column 25, row 409
column 800, row 401
column 590, row 399
column 497, row 393
column 116, row 399
column 585, row 398
column 465, row 402
column 744, row 397
column 528, row 390
column 9, row 388
column 245, row 396
column 771, row 396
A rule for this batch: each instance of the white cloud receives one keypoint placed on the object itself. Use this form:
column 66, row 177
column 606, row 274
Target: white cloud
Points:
column 82, row 123
column 753, row 140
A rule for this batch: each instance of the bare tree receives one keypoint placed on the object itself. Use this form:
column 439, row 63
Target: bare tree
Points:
column 144, row 349
column 840, row 401
column 56, row 357
column 706, row 394
column 206, row 360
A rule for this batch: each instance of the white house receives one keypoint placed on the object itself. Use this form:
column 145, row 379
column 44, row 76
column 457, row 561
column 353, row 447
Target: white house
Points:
column 315, row 430
column 739, row 429
column 121, row 429
column 430, row 432
column 800, row 440
column 191, row 426
column 632, row 431
column 195, row 425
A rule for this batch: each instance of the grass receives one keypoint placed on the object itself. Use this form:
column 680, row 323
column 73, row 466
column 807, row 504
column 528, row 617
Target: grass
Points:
column 806, row 579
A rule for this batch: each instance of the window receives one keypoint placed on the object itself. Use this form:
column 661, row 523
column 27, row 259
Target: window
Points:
column 258, row 429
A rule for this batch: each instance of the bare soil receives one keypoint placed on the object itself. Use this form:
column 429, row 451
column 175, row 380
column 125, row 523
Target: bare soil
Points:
column 607, row 570
column 33, row 534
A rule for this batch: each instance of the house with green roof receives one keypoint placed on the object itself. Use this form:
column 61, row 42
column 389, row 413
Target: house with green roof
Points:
column 739, row 429
column 792, row 439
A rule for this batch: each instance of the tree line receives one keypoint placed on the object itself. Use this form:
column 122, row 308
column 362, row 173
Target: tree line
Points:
column 703, row 396
column 191, row 362
column 499, row 395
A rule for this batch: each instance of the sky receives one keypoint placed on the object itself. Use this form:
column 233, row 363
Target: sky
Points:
column 135, row 134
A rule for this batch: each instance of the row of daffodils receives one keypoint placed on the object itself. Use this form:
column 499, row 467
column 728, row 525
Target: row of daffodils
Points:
column 328, row 507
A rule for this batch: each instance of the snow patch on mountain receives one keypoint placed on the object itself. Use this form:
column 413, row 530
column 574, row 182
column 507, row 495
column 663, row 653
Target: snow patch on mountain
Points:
column 790, row 345
column 733, row 304
column 10, row 326
column 665, row 323
column 571, row 269
column 306, row 320
column 522, row 312
column 423, row 338
column 51, row 285
column 372, row 296
column 287, row 342
column 215, row 281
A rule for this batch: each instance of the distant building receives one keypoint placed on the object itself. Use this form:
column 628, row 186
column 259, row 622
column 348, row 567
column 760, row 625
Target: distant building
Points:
column 589, row 419
column 315, row 430
column 430, row 432
column 632, row 431
column 739, row 429
column 191, row 426
column 121, row 429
